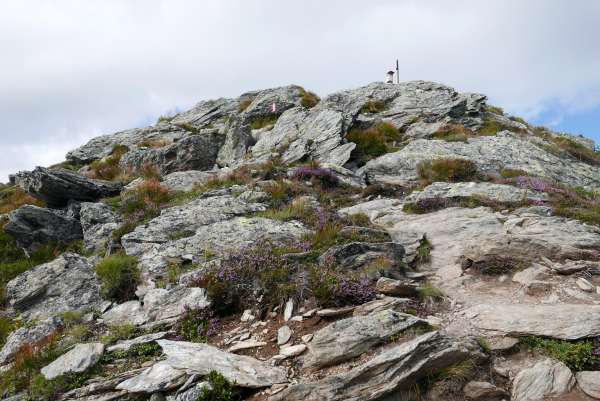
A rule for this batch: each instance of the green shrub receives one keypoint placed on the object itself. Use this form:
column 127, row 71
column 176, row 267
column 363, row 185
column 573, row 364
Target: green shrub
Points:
column 7, row 326
column 495, row 110
column 244, row 104
column 197, row 325
column 577, row 355
column 220, row 389
column 428, row 292
column 512, row 173
column 119, row 276
column 423, row 255
column 309, row 99
column 519, row 120
column 453, row 133
column 490, row 127
column 262, row 122
column 373, row 106
column 12, row 198
column 189, row 127
column 577, row 150
column 447, row 170
column 373, row 142
column 164, row 119
column 119, row 332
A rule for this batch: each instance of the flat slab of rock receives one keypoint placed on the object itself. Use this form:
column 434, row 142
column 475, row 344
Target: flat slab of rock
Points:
column 283, row 335
column 398, row 288
column 348, row 338
column 563, row 321
column 58, row 187
column 483, row 391
column 124, row 345
column 78, row 360
column 547, row 378
column 160, row 377
column 456, row 190
column 31, row 226
column 589, row 383
column 394, row 370
column 378, row 305
column 242, row 345
column 130, row 312
column 68, row 283
column 161, row 304
column 202, row 359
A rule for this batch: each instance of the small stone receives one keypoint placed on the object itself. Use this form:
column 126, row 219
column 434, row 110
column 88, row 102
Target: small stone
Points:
column 310, row 313
column 80, row 358
column 399, row 288
column 246, row 345
column 502, row 344
column 283, row 335
column 296, row 319
column 160, row 377
column 335, row 311
column 589, row 383
column 247, row 316
column 293, row 350
column 289, row 309
column 585, row 285
column 307, row 338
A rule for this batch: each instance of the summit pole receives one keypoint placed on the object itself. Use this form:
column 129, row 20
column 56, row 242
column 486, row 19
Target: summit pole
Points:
column 397, row 72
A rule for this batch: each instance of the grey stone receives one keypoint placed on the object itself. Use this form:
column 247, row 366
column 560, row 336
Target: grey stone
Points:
column 351, row 337
column 202, row 358
column 483, row 391
column 194, row 152
column 193, row 393
column 161, row 304
column 27, row 335
column 457, row 190
column 395, row 369
column 58, row 187
column 68, row 283
column 399, row 288
column 130, row 312
column 288, row 310
column 160, row 377
column 547, row 378
column 98, row 222
column 589, row 383
column 377, row 305
column 357, row 255
column 283, row 335
column 562, row 321
column 77, row 360
column 32, row 226
column 186, row 180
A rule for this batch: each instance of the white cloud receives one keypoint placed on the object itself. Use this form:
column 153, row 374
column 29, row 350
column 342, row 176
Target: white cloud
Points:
column 72, row 69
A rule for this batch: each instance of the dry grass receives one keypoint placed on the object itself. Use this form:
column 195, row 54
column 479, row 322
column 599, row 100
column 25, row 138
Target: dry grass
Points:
column 13, row 198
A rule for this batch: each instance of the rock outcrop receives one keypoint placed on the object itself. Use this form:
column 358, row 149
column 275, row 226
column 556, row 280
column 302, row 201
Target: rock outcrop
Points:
column 393, row 371
column 32, row 226
column 547, row 378
column 68, row 283
column 58, row 187
column 77, row 360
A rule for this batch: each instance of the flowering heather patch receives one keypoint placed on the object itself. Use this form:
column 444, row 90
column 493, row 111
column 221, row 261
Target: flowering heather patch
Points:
column 246, row 276
column 197, row 325
column 332, row 288
column 324, row 176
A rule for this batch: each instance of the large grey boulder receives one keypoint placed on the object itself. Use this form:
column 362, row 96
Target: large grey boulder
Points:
column 68, row 283
column 27, row 335
column 194, row 152
column 351, row 337
column 394, row 371
column 589, row 383
column 58, row 187
column 490, row 153
column 545, row 379
column 77, row 360
column 562, row 321
column 357, row 255
column 186, row 218
column 32, row 226
column 124, row 345
column 202, row 359
column 98, row 221
column 458, row 190
column 161, row 304
column 159, row 377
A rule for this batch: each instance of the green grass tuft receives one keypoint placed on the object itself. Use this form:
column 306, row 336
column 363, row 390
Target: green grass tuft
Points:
column 577, row 355
column 119, row 276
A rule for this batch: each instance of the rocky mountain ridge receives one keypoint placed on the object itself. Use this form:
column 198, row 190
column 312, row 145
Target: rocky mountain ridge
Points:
column 390, row 242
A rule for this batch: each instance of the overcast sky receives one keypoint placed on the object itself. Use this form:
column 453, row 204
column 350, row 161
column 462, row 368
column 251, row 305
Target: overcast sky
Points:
column 71, row 70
